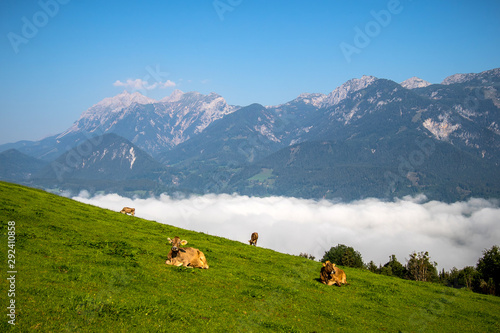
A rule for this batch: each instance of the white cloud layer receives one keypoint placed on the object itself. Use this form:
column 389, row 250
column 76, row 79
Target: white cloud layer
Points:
column 455, row 235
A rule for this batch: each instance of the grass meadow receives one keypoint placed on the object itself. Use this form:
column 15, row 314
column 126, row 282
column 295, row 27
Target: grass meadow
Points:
column 81, row 268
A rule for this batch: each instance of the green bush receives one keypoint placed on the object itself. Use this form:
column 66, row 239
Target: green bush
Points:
column 488, row 267
column 344, row 256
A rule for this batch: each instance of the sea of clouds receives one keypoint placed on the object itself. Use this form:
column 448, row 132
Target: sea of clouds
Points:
column 454, row 234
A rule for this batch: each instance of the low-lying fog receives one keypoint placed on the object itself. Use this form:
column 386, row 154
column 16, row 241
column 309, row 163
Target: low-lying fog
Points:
column 455, row 235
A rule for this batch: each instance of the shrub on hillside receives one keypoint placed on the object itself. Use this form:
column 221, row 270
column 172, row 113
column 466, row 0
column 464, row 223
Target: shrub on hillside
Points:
column 344, row 256
column 393, row 268
column 420, row 268
column 466, row 277
column 489, row 269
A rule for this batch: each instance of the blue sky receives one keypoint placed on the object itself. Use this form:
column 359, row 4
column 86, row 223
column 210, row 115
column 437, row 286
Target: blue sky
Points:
column 59, row 57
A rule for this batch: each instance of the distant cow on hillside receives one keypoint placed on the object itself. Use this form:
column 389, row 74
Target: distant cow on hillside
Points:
column 253, row 239
column 128, row 210
column 332, row 275
column 188, row 256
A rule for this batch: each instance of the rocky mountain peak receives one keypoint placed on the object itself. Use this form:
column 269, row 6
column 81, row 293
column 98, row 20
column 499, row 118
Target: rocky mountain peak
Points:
column 125, row 99
column 315, row 99
column 458, row 78
column 414, row 82
column 175, row 96
column 116, row 104
column 492, row 75
column 351, row 86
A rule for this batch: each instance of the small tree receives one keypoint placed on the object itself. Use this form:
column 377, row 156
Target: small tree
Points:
column 385, row 270
column 445, row 277
column 487, row 287
column 420, row 268
column 466, row 277
column 372, row 267
column 450, row 278
column 489, row 268
column 344, row 256
column 394, row 267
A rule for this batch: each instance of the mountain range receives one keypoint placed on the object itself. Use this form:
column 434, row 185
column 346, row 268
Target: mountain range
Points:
column 370, row 137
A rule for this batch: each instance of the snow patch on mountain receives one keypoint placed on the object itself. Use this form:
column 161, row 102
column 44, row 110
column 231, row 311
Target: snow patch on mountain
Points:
column 132, row 157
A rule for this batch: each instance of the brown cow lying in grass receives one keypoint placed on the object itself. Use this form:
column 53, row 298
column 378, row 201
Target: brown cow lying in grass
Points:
column 189, row 257
column 253, row 239
column 127, row 210
column 330, row 275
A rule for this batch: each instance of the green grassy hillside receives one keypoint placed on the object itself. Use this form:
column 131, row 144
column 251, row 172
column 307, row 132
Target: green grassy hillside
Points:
column 86, row 269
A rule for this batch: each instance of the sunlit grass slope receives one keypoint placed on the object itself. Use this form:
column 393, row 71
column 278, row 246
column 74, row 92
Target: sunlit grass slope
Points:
column 85, row 269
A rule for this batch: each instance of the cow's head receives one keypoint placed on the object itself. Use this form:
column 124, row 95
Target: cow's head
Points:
column 176, row 244
column 329, row 267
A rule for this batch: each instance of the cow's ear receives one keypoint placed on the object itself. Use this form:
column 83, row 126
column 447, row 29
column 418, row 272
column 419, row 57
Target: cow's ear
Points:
column 184, row 242
column 169, row 240
column 324, row 264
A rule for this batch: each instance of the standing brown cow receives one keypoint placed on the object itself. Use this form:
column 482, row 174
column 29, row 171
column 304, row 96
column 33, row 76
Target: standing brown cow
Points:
column 330, row 275
column 253, row 239
column 128, row 210
column 188, row 256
